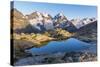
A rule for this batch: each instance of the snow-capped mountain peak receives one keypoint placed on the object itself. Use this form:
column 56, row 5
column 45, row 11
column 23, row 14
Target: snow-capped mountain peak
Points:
column 59, row 18
column 61, row 14
column 38, row 13
column 82, row 22
column 45, row 14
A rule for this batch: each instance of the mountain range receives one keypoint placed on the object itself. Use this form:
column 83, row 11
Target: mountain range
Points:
column 39, row 22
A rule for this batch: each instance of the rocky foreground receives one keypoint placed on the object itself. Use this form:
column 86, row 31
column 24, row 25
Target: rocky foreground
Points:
column 57, row 58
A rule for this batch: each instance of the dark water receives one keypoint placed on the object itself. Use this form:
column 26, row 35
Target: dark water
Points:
column 68, row 45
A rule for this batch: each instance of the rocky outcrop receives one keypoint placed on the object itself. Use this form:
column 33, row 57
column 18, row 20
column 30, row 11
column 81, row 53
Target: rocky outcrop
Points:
column 58, row 58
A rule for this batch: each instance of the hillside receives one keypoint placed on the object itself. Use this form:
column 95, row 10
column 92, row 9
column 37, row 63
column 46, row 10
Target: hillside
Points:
column 18, row 20
column 88, row 32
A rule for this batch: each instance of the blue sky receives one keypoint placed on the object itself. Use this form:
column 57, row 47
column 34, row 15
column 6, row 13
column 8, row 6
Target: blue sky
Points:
column 70, row 11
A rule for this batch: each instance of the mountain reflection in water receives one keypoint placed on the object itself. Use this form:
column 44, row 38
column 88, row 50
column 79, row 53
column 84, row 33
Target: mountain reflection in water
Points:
column 69, row 45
